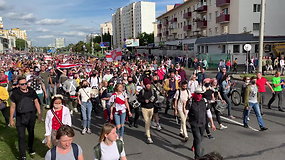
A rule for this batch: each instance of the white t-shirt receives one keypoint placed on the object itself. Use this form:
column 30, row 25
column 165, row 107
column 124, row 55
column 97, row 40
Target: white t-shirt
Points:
column 192, row 85
column 94, row 81
column 107, row 77
column 184, row 96
column 85, row 94
column 119, row 102
column 110, row 152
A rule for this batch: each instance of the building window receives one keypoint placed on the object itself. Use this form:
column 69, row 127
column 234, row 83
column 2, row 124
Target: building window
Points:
column 207, row 49
column 256, row 7
column 256, row 48
column 210, row 16
column 223, row 48
column 236, row 49
column 216, row 30
column 256, row 26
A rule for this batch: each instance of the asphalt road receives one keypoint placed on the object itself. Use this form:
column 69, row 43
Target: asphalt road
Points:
column 234, row 143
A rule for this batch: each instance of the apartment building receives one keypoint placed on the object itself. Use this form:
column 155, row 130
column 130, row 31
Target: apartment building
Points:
column 221, row 26
column 131, row 20
column 106, row 28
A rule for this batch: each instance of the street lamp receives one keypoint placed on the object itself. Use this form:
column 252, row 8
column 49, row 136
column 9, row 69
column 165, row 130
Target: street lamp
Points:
column 261, row 35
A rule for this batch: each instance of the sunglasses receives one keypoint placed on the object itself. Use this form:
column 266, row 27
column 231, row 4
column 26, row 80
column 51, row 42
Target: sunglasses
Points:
column 23, row 84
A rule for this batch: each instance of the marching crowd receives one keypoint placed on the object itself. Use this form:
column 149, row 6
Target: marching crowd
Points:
column 123, row 90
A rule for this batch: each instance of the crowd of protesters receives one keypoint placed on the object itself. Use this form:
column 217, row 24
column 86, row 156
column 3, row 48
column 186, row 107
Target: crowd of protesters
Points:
column 123, row 90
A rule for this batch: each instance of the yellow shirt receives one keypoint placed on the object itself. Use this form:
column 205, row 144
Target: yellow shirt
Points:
column 4, row 95
column 78, row 81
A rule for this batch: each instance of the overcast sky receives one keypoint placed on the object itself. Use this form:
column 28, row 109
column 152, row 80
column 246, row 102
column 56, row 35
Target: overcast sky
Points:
column 45, row 20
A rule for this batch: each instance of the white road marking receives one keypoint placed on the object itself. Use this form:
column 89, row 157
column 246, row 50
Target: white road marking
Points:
column 238, row 123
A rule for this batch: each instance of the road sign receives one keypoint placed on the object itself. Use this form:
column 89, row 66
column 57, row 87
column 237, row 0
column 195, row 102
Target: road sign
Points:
column 247, row 47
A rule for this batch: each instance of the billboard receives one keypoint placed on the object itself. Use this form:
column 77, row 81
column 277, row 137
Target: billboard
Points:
column 132, row 42
column 105, row 44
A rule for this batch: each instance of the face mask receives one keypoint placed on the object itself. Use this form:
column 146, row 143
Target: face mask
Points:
column 207, row 85
column 130, row 81
column 70, row 77
column 247, row 81
column 57, row 105
column 156, row 81
column 125, row 78
column 84, row 86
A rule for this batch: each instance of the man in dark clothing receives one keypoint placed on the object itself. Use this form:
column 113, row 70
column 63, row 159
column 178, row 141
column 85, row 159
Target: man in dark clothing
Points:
column 182, row 73
column 221, row 75
column 24, row 101
column 147, row 97
column 197, row 119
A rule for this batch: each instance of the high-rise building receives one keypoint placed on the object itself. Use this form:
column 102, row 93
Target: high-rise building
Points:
column 18, row 33
column 91, row 35
column 1, row 23
column 59, row 42
column 106, row 28
column 130, row 21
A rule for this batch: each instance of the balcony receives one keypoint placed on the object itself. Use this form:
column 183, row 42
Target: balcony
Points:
column 159, row 35
column 166, row 33
column 174, row 20
column 187, row 28
column 202, row 9
column 187, row 15
column 159, row 26
column 165, row 22
column 224, row 18
column 221, row 3
column 202, row 24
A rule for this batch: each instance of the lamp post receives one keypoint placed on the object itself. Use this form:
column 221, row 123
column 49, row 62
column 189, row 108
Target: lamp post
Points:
column 261, row 35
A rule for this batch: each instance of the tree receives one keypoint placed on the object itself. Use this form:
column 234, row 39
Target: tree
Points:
column 145, row 38
column 21, row 44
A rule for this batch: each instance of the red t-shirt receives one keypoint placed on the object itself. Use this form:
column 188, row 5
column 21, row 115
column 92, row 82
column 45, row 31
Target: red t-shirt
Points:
column 261, row 84
column 3, row 79
column 55, row 124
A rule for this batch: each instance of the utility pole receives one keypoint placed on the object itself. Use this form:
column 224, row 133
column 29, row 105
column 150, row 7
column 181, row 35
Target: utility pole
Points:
column 261, row 35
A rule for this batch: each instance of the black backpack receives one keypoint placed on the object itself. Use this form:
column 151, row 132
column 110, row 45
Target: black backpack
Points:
column 74, row 148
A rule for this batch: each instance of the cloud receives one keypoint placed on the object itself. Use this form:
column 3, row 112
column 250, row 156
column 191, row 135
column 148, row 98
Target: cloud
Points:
column 45, row 36
column 29, row 17
column 74, row 33
column 48, row 21
column 82, row 28
column 3, row 5
column 42, row 30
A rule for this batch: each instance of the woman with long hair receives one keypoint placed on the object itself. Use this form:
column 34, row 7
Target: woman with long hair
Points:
column 109, row 148
column 119, row 106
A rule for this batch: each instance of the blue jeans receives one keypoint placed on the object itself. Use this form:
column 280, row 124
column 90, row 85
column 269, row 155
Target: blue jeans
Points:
column 120, row 120
column 255, row 107
column 229, row 102
column 86, row 109
column 48, row 95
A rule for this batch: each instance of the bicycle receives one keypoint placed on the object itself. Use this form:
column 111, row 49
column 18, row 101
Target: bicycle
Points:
column 235, row 96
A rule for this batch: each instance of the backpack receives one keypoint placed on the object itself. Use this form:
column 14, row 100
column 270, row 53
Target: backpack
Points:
column 97, row 149
column 74, row 149
column 180, row 93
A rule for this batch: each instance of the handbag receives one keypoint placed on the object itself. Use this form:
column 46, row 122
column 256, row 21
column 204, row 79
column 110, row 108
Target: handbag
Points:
column 220, row 106
column 2, row 105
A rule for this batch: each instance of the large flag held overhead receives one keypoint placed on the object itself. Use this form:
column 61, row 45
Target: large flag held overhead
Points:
column 115, row 55
column 67, row 65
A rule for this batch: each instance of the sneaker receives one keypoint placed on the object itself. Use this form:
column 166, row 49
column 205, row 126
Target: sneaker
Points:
column 192, row 149
column 181, row 135
column 186, row 139
column 232, row 117
column 89, row 131
column 210, row 136
column 47, row 106
column 121, row 138
column 84, row 131
column 153, row 125
column 281, row 110
column 245, row 126
column 223, row 127
column 158, row 127
column 32, row 153
column 149, row 141
column 248, row 119
column 71, row 112
column 23, row 158
column 263, row 129
column 136, row 125
column 75, row 110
